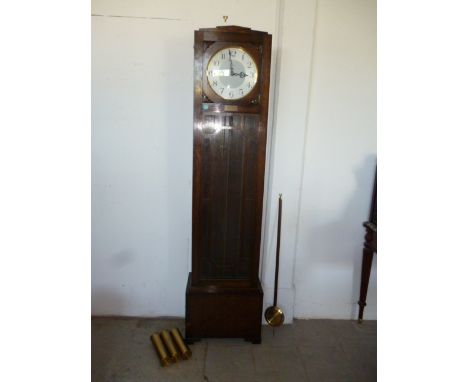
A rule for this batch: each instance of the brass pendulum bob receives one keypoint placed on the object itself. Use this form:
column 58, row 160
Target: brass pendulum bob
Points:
column 274, row 315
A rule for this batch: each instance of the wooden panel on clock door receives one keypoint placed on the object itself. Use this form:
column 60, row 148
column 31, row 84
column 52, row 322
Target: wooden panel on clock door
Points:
column 227, row 219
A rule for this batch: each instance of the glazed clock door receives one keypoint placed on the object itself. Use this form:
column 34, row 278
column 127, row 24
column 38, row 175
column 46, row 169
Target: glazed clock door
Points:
column 228, row 195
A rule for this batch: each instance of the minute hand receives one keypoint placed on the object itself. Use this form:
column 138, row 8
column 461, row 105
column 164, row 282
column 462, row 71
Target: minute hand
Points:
column 231, row 68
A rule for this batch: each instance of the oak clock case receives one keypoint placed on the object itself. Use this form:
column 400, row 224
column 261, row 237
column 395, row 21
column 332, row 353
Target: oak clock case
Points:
column 224, row 297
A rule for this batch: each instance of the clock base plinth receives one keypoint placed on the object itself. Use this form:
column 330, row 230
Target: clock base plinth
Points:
column 223, row 312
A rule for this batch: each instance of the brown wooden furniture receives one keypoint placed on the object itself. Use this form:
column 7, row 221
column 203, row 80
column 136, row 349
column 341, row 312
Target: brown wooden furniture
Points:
column 370, row 247
column 224, row 297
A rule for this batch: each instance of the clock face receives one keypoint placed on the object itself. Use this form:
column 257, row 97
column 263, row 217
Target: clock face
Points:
column 232, row 73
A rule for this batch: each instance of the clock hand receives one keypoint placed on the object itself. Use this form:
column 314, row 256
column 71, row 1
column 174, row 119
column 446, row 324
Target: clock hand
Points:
column 241, row 74
column 231, row 69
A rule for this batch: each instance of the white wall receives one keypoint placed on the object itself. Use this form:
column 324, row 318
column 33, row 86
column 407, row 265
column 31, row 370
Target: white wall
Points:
column 142, row 87
column 295, row 43
column 339, row 160
column 321, row 146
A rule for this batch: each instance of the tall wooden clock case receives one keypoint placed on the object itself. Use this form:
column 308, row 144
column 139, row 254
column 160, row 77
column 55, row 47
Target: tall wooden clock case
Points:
column 224, row 297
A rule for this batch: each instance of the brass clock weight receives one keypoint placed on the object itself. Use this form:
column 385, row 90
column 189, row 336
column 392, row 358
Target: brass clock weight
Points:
column 170, row 346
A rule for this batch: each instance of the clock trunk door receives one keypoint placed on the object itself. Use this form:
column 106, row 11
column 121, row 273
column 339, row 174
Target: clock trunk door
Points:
column 227, row 219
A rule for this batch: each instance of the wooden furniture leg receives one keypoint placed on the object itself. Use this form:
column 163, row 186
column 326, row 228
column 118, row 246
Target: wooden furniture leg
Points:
column 367, row 256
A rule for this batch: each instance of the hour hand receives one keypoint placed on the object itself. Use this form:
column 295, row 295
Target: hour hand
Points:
column 241, row 74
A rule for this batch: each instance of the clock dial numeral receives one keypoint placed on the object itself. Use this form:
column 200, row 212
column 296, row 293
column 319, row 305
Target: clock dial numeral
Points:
column 233, row 69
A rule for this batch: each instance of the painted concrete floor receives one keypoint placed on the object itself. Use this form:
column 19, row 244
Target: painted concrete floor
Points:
column 307, row 350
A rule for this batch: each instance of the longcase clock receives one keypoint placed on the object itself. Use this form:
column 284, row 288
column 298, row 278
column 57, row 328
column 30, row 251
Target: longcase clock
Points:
column 224, row 297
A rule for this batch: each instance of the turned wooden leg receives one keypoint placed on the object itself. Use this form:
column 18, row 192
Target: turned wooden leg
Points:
column 367, row 256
